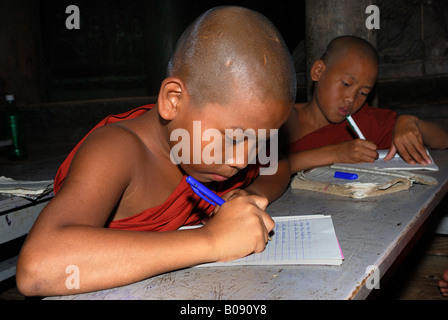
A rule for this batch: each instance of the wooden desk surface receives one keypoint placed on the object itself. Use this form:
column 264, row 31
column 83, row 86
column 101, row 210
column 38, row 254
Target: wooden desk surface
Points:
column 371, row 231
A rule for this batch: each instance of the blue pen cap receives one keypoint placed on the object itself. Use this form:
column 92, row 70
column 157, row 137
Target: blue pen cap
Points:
column 345, row 175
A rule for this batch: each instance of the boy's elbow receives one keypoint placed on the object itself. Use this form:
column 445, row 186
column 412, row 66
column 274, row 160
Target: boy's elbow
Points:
column 29, row 275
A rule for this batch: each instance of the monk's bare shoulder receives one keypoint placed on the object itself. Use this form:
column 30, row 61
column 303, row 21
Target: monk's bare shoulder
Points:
column 110, row 152
column 292, row 124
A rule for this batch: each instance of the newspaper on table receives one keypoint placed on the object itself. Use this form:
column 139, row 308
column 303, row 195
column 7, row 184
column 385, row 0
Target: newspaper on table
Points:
column 31, row 190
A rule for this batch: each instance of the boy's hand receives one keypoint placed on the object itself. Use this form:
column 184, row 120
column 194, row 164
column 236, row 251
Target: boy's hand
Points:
column 235, row 193
column 240, row 227
column 227, row 196
column 354, row 151
column 408, row 141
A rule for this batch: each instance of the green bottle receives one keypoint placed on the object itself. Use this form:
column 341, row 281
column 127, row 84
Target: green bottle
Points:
column 14, row 131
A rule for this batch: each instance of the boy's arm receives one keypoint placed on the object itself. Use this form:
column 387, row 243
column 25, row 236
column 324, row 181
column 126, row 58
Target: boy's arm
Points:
column 272, row 186
column 433, row 136
column 70, row 230
column 345, row 152
column 308, row 159
column 411, row 135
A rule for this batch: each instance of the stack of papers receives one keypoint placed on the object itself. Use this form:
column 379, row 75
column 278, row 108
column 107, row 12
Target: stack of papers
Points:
column 27, row 189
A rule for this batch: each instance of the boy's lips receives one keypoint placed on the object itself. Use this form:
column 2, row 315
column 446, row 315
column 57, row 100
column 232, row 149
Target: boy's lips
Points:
column 343, row 111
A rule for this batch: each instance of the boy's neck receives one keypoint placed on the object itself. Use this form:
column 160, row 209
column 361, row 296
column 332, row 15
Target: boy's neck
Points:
column 314, row 115
column 155, row 134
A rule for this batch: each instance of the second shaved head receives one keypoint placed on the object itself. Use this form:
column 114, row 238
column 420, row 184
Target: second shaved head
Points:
column 339, row 46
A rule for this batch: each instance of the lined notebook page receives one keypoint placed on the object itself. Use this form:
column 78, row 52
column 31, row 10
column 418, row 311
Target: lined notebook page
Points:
column 296, row 240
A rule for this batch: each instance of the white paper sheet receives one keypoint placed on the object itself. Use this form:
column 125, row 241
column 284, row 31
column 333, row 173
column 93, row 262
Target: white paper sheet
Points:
column 296, row 240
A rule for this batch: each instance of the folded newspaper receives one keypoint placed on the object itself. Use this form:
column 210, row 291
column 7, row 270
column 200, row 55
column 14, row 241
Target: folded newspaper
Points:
column 27, row 189
column 369, row 182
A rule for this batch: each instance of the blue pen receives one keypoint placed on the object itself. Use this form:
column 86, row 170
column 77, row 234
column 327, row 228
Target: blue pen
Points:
column 204, row 192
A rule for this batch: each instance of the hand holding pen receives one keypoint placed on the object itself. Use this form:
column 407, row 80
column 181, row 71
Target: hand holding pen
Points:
column 359, row 150
column 212, row 198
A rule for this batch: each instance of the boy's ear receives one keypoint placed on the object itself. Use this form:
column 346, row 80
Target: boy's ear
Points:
column 172, row 92
column 318, row 69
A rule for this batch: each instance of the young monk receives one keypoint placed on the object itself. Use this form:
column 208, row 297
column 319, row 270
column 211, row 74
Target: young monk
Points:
column 318, row 132
column 230, row 69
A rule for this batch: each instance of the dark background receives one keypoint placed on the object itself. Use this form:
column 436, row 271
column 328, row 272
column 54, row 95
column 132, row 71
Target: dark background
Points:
column 65, row 81
column 122, row 47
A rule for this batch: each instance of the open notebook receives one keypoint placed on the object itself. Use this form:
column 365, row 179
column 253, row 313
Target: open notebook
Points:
column 396, row 163
column 296, row 240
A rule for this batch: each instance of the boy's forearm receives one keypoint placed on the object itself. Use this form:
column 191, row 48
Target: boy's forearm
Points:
column 105, row 258
column 272, row 186
column 305, row 160
column 434, row 136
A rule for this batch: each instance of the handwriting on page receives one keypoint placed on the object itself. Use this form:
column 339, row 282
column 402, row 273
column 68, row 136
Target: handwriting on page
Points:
column 292, row 241
column 297, row 240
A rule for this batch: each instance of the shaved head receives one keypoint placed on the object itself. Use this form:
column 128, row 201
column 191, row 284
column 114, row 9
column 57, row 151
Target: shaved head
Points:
column 230, row 50
column 338, row 47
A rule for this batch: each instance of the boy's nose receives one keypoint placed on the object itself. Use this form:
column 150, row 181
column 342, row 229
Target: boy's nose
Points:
column 350, row 98
column 240, row 155
column 237, row 164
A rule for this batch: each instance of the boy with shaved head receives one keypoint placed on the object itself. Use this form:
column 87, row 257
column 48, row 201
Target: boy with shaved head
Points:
column 344, row 77
column 231, row 69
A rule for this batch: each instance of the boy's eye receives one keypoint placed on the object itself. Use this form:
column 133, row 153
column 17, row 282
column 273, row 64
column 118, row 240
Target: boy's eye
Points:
column 364, row 93
column 345, row 84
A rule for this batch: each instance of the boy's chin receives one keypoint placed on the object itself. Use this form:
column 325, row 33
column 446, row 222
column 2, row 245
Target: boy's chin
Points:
column 205, row 176
column 336, row 120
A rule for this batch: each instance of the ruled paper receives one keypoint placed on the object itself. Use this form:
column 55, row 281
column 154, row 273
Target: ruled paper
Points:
column 296, row 240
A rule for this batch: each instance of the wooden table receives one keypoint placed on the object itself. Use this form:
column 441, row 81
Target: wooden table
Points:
column 371, row 232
